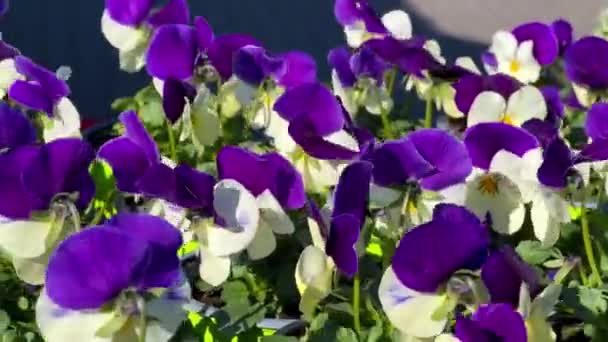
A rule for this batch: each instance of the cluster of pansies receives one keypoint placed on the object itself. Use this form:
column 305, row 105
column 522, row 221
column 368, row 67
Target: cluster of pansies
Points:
column 240, row 179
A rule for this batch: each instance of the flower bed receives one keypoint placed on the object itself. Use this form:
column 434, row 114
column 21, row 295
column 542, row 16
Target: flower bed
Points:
column 238, row 197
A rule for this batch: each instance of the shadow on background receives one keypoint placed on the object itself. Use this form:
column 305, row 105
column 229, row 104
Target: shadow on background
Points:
column 67, row 32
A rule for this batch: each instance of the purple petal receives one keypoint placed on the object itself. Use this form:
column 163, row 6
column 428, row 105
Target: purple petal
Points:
column 136, row 132
column 493, row 322
column 556, row 164
column 546, row 47
column 446, row 154
column 8, row 51
column 158, row 181
column 222, row 49
column 194, row 189
column 397, row 162
column 366, row 63
column 204, row 33
column 15, row 201
column 343, row 234
column 128, row 161
column 174, row 12
column 555, row 106
column 352, row 191
column 597, row 150
column 175, row 95
column 408, row 56
column 469, row 86
column 4, row 7
column 489, row 59
column 596, row 125
column 288, row 185
column 586, row 62
column 46, row 83
column 253, row 65
column 61, row 166
column 130, row 13
column 572, row 101
column 484, row 140
column 314, row 101
column 503, row 274
column 346, row 12
column 454, row 231
column 300, row 68
column 339, row 60
column 15, row 128
column 31, row 95
column 304, row 133
column 172, row 52
column 563, row 31
column 544, row 131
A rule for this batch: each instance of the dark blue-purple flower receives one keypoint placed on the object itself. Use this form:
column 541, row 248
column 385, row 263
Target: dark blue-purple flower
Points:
column 546, row 48
column 15, row 128
column 563, row 31
column 492, row 323
column 586, row 62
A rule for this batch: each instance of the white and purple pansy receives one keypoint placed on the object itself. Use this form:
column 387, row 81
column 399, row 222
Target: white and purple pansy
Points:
column 8, row 71
column 412, row 291
column 127, row 26
column 522, row 52
column 120, row 280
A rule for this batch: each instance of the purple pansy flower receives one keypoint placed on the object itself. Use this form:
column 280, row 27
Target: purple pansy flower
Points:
column 433, row 157
column 349, row 12
column 15, row 128
column 469, row 86
column 546, row 48
column 564, row 33
column 137, row 12
column 462, row 239
column 172, row 52
column 348, row 215
column 36, row 175
column 586, row 62
column 409, row 56
column 41, row 90
column 492, row 322
column 259, row 173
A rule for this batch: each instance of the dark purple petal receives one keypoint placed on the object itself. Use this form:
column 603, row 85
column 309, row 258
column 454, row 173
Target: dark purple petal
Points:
column 136, row 132
column 172, row 52
column 253, row 65
column 300, row 68
column 222, row 49
column 408, row 56
column 7, row 51
column 346, row 12
column 15, row 201
column 288, row 185
column 557, row 162
column 469, row 86
column 174, row 12
column 204, row 33
column 194, row 189
column 597, row 150
column 366, row 63
column 447, row 155
column 314, row 101
column 128, row 162
column 53, row 86
column 158, row 181
column 61, row 166
column 15, row 128
column 544, row 131
column 503, row 274
column 315, row 213
column 454, row 231
column 343, row 235
column 492, row 322
column 352, row 192
column 130, row 13
column 555, row 106
column 303, row 131
column 397, row 162
column 175, row 95
column 546, row 47
column 489, row 59
column 586, row 62
column 596, row 125
column 31, row 95
column 339, row 60
column 563, row 31
column 572, row 101
column 484, row 140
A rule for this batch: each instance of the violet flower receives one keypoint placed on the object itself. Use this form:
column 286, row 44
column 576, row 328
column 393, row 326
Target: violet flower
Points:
column 492, row 322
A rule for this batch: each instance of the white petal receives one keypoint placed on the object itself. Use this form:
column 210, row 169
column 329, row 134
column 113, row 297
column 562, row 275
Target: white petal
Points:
column 8, row 75
column 504, row 46
column 263, row 244
column 156, row 332
column 313, row 275
column 65, row 123
column 159, row 85
column 133, row 60
column 206, row 126
column 60, row 325
column 347, row 95
column 32, row 271
column 529, row 69
column 488, row 106
column 546, row 229
column 408, row 310
column 120, row 36
column 520, row 170
column 525, row 104
column 213, row 269
column 238, row 208
column 342, row 138
column 272, row 214
column 376, row 100
column 382, row 197
column 315, row 234
column 25, row 239
column 468, row 64
column 318, row 174
column 434, row 48
column 398, row 23
column 447, row 338
column 355, row 34
column 584, row 95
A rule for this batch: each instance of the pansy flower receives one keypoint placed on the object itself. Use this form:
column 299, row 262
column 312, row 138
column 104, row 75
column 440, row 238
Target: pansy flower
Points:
column 522, row 52
column 468, row 87
column 492, row 322
column 412, row 291
column 41, row 190
column 358, row 80
column 8, row 71
column 584, row 62
column 15, row 128
column 115, row 281
column 361, row 22
column 128, row 26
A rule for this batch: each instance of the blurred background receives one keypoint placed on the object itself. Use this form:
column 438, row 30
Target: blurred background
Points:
column 67, row 32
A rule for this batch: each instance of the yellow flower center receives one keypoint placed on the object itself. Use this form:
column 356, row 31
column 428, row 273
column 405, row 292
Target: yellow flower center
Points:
column 488, row 184
column 507, row 119
column 514, row 66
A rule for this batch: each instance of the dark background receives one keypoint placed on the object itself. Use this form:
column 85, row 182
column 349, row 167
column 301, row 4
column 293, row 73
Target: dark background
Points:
column 67, row 32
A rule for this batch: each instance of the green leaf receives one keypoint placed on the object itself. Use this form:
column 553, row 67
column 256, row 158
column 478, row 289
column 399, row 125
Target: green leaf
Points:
column 533, row 253
column 277, row 338
column 593, row 299
column 152, row 113
column 123, row 104
column 5, row 321
column 235, row 291
column 346, row 335
column 375, row 333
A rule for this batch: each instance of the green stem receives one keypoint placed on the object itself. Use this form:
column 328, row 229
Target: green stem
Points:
column 384, row 113
column 171, row 142
column 143, row 323
column 98, row 216
column 357, row 304
column 428, row 114
column 587, row 243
